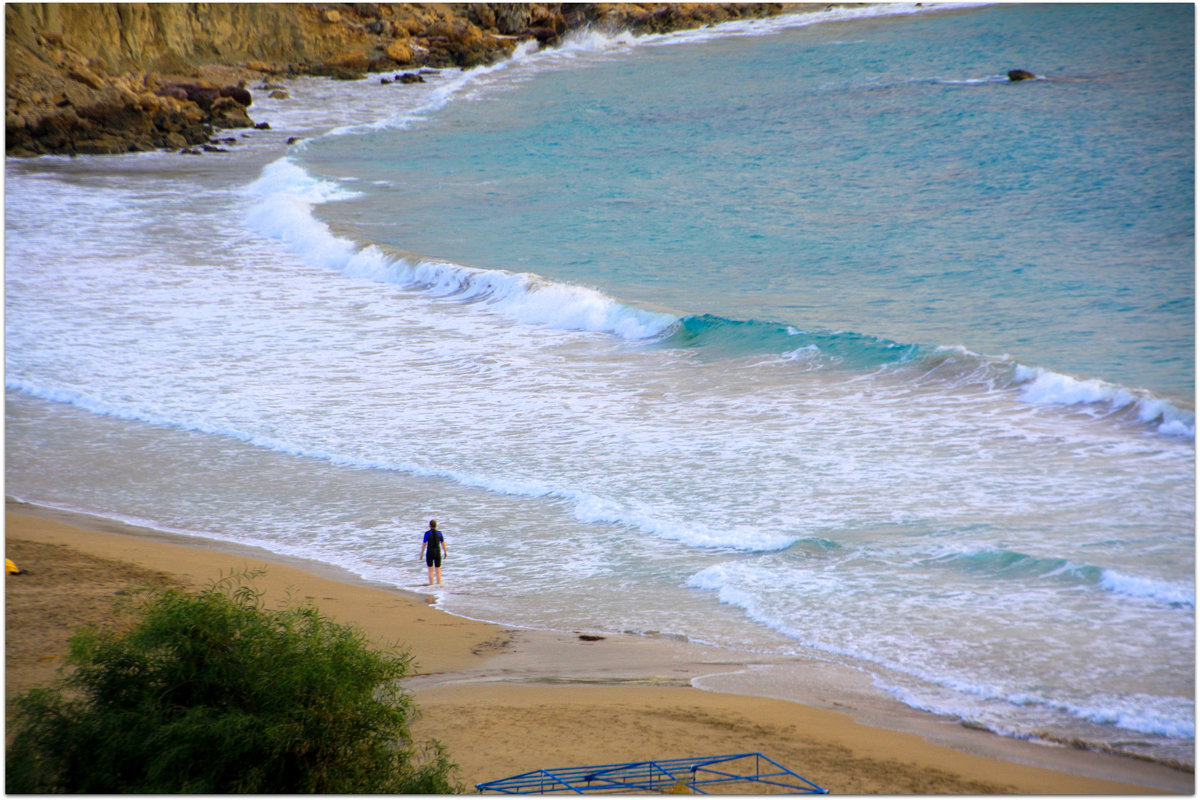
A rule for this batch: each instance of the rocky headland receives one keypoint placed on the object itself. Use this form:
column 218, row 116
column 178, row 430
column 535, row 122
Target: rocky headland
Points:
column 84, row 78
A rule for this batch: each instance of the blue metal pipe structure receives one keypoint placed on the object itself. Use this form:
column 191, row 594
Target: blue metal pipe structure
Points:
column 699, row 774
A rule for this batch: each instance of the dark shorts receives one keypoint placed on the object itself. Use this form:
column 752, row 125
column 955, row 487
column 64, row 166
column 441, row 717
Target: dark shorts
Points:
column 433, row 557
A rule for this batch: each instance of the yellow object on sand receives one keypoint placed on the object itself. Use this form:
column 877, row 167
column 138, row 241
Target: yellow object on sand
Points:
column 10, row 568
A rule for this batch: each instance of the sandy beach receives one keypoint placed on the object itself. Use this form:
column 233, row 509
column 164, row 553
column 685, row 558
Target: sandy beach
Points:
column 505, row 701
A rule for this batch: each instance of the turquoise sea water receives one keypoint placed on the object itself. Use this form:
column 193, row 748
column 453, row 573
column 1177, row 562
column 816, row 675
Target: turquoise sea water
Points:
column 875, row 171
column 811, row 336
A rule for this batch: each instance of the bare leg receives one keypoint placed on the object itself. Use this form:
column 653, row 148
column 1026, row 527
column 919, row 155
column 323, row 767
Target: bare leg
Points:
column 431, row 576
column 439, row 575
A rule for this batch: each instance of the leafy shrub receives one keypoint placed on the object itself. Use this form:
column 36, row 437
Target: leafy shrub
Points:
column 209, row 692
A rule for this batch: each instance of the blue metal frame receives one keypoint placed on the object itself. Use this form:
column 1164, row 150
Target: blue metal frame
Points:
column 654, row 776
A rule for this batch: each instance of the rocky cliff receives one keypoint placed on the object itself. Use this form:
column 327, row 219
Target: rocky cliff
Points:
column 121, row 77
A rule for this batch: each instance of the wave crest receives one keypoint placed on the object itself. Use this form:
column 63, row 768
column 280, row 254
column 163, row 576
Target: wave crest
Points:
column 1007, row 564
column 1045, row 387
column 286, row 194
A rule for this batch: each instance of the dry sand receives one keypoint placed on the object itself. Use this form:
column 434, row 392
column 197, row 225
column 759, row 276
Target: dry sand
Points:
column 506, row 701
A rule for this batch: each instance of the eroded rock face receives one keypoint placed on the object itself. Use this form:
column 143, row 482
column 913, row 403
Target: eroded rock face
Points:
column 114, row 119
column 118, row 77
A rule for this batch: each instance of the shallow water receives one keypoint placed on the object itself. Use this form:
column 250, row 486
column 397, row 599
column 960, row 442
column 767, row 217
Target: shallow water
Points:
column 815, row 339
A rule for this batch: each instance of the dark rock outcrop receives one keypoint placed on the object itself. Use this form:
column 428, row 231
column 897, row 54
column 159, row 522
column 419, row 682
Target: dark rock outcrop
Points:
column 239, row 93
column 1020, row 75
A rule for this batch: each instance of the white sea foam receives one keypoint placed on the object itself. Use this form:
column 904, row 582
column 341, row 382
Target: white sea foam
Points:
column 454, row 85
column 1141, row 714
column 287, row 194
column 771, row 25
column 422, row 101
column 737, row 585
column 1170, row 717
column 1046, row 387
column 1169, row 592
column 587, row 507
column 959, row 367
column 427, row 99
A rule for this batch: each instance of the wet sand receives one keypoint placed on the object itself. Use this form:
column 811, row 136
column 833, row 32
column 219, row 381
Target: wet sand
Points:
column 505, row 701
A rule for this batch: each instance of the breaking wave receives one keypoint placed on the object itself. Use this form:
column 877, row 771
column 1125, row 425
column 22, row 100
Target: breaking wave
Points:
column 284, row 196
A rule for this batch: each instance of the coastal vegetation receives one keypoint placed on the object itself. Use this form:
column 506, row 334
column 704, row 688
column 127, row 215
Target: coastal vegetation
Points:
column 211, row 692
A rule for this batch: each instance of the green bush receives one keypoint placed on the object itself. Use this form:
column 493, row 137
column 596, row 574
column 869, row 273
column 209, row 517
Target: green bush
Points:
column 209, row 692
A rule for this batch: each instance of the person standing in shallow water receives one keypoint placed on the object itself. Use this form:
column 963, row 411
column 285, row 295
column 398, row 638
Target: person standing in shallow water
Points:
column 433, row 552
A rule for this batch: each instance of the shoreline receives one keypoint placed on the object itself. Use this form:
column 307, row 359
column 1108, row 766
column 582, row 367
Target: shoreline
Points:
column 83, row 79
column 492, row 693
